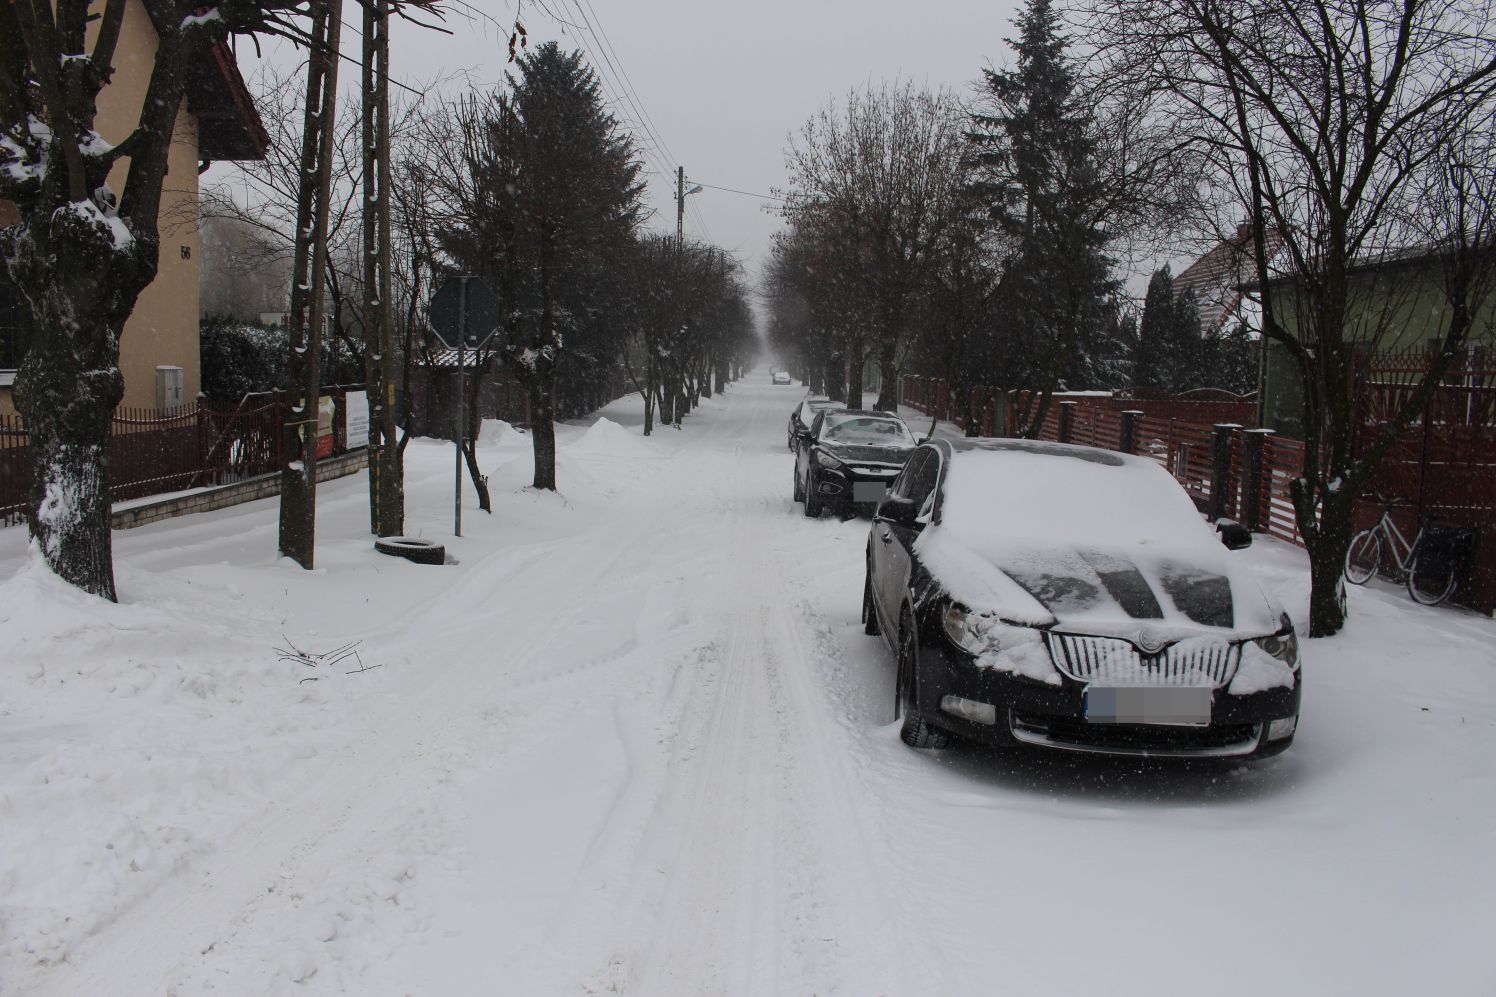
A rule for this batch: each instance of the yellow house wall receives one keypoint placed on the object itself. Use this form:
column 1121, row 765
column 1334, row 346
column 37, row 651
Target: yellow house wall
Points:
column 163, row 328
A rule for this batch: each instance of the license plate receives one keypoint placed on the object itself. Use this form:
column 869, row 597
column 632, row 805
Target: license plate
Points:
column 1163, row 705
column 868, row 491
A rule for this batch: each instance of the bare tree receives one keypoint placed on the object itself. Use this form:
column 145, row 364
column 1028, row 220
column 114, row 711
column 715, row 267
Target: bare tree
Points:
column 880, row 179
column 1350, row 133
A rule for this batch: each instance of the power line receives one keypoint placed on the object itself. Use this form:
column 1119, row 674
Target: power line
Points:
column 745, row 193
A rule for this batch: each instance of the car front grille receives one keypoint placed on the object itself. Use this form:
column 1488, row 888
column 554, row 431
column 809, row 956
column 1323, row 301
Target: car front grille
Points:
column 1113, row 661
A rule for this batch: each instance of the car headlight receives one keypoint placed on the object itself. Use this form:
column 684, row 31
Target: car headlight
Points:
column 974, row 633
column 1283, row 645
column 829, row 462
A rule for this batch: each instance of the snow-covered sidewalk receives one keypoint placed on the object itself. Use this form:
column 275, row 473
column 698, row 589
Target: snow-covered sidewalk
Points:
column 633, row 740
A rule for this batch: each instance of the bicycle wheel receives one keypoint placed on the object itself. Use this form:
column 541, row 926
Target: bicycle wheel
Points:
column 1363, row 557
column 1431, row 580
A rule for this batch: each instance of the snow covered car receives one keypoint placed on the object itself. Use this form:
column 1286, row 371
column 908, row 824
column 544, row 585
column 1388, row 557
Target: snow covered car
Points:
column 1067, row 597
column 805, row 413
column 849, row 459
column 780, row 377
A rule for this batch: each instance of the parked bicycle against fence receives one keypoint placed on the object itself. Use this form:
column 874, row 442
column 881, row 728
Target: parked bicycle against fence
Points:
column 1431, row 565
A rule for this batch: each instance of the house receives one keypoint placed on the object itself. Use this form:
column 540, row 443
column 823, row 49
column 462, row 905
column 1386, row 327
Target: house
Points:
column 1397, row 305
column 1218, row 279
column 159, row 345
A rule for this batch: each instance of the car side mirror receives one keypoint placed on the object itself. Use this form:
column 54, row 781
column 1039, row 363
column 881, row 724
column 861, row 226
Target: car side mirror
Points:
column 1233, row 534
column 898, row 510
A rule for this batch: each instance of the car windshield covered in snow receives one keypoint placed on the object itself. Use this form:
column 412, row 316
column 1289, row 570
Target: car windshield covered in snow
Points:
column 866, row 431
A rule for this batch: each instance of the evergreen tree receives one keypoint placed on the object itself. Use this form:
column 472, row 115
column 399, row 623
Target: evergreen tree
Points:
column 1037, row 155
column 1186, row 367
column 1150, row 360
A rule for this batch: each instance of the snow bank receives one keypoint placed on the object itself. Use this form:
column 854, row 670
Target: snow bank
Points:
column 608, row 439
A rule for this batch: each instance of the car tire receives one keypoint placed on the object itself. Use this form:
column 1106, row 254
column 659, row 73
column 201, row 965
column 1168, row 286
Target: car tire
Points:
column 869, row 611
column 412, row 549
column 916, row 731
column 812, row 497
column 799, row 492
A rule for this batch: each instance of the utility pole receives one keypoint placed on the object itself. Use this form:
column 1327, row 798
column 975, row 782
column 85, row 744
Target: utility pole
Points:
column 680, row 206
column 298, row 499
column 386, row 485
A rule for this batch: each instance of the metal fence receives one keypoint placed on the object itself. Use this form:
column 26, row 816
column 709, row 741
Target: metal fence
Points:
column 155, row 451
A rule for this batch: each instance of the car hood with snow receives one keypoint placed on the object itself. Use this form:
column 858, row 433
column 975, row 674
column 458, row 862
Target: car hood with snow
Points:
column 1089, row 542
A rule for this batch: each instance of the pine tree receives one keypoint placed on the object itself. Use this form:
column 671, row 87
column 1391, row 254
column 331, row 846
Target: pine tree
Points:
column 1036, row 153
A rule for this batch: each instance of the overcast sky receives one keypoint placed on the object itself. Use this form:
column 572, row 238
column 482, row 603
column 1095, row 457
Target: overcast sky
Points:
column 723, row 85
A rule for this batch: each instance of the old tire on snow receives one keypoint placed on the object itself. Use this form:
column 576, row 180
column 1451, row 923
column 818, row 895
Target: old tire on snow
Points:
column 412, row 549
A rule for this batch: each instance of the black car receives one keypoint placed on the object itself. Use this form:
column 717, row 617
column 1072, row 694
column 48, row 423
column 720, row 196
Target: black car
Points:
column 849, row 459
column 1066, row 597
column 805, row 413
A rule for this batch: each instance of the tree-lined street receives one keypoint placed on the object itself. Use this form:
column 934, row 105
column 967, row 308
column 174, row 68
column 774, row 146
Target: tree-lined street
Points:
column 635, row 741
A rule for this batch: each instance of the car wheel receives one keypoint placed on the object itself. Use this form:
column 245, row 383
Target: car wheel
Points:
column 869, row 611
column 917, row 732
column 812, row 497
column 799, row 492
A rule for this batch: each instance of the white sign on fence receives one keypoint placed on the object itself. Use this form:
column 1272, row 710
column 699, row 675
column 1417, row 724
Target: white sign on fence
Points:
column 356, row 418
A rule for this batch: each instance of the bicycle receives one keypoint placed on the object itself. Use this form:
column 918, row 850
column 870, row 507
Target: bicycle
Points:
column 1431, row 565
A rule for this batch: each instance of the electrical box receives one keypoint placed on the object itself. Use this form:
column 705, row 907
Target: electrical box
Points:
column 168, row 387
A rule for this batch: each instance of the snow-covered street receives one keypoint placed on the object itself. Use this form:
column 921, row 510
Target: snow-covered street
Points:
column 635, row 741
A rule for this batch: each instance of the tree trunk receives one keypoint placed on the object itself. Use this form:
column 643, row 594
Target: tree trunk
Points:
column 66, row 392
column 470, row 441
column 543, row 428
column 854, row 376
column 1327, row 538
column 888, row 372
column 649, row 391
column 666, row 402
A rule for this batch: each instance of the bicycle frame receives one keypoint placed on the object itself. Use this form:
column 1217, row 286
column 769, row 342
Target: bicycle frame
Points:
column 1397, row 545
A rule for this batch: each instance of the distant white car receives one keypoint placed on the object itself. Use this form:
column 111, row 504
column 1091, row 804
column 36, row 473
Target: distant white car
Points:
column 781, row 377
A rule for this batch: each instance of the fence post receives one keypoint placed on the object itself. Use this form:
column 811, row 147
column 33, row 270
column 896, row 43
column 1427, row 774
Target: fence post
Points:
column 1253, row 441
column 202, row 439
column 1067, row 420
column 1128, row 436
column 1220, row 467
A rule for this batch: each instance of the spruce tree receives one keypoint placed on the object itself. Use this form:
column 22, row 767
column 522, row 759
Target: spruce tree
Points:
column 1036, row 155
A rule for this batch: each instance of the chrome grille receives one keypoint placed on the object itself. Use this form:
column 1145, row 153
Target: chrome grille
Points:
column 1113, row 661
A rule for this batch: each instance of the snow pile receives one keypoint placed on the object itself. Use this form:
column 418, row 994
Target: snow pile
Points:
column 608, row 439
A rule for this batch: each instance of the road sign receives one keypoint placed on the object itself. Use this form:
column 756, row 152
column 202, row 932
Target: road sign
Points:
column 474, row 329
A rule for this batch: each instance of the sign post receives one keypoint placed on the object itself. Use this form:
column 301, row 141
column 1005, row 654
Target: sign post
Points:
column 464, row 315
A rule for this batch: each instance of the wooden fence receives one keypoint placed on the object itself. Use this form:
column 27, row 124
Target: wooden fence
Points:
column 153, row 451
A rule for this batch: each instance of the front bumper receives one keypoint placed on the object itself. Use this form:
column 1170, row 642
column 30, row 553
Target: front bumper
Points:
column 1032, row 713
column 852, row 484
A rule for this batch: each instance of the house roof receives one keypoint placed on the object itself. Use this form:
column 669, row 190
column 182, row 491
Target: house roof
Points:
column 228, row 126
column 1217, row 277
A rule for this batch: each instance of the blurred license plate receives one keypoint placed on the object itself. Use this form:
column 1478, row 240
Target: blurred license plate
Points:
column 868, row 491
column 1185, row 707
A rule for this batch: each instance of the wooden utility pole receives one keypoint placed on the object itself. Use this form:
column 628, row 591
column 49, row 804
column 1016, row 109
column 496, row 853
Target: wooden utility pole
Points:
column 298, row 505
column 680, row 206
column 386, row 476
